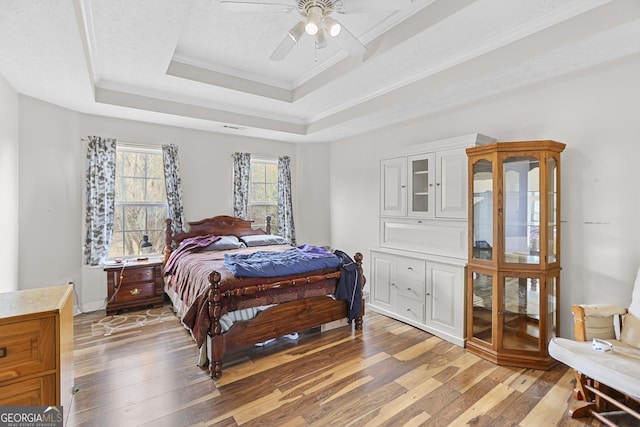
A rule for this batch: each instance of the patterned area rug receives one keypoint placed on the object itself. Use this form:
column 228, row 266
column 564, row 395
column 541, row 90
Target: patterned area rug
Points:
column 127, row 321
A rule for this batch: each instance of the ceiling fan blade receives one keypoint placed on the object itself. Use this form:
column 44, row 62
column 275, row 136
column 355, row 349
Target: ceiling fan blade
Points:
column 363, row 6
column 350, row 43
column 255, row 5
column 283, row 48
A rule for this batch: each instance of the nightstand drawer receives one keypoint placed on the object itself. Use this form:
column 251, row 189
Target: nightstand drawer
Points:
column 135, row 292
column 137, row 275
column 27, row 348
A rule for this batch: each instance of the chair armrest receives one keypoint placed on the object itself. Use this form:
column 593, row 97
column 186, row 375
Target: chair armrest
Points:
column 595, row 321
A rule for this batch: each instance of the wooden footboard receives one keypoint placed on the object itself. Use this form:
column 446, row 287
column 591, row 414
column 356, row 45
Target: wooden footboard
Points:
column 277, row 321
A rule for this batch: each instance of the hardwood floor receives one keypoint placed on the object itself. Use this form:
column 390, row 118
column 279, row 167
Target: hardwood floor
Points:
column 390, row 374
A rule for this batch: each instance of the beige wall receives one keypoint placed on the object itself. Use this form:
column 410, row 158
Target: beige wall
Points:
column 9, row 185
column 51, row 168
column 595, row 113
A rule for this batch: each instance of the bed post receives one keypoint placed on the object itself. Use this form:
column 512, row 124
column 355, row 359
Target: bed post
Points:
column 358, row 260
column 217, row 341
column 168, row 238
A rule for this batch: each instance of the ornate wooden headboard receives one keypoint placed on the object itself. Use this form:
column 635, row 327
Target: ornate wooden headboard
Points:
column 221, row 225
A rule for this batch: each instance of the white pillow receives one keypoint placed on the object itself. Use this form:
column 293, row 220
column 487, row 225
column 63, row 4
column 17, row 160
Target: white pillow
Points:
column 263, row 240
column 634, row 307
column 225, row 243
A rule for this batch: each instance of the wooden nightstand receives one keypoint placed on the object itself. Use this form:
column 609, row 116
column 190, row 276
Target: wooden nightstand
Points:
column 133, row 285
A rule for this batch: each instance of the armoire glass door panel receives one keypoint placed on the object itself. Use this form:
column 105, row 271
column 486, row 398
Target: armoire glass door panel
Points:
column 483, row 209
column 521, row 313
column 420, row 185
column 482, row 307
column 552, row 213
column 521, row 182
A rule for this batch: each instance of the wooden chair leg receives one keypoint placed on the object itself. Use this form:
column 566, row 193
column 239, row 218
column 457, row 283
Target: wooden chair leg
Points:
column 581, row 410
column 580, row 392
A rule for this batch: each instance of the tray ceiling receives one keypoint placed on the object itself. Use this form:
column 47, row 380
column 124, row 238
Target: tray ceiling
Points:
column 193, row 64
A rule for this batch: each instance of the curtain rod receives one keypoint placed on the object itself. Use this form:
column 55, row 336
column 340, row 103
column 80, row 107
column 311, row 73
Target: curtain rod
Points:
column 127, row 144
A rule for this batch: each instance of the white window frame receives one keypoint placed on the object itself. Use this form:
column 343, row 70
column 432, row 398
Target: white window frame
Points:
column 124, row 146
column 261, row 222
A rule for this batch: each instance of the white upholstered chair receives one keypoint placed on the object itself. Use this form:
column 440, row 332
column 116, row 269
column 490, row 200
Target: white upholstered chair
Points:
column 607, row 370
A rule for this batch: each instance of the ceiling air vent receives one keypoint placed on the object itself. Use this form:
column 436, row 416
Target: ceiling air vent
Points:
column 232, row 127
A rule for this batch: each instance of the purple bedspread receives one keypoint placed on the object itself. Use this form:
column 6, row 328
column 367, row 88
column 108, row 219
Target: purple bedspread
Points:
column 188, row 245
column 272, row 264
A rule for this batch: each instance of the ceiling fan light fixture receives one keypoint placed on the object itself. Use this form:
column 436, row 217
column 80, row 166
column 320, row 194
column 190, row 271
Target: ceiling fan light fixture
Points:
column 296, row 32
column 321, row 40
column 314, row 18
column 332, row 26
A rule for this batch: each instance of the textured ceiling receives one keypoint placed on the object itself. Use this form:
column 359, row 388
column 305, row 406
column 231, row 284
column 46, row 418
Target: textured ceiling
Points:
column 195, row 64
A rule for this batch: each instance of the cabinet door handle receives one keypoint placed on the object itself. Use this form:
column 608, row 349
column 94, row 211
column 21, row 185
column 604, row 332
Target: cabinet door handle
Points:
column 135, row 291
column 403, row 186
column 438, row 184
column 409, row 268
column 428, row 293
column 3, row 352
column 393, row 284
column 408, row 289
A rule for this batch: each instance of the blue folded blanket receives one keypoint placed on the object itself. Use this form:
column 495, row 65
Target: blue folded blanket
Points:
column 272, row 264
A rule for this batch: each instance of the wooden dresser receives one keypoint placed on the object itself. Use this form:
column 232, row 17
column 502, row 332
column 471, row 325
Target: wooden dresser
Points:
column 36, row 347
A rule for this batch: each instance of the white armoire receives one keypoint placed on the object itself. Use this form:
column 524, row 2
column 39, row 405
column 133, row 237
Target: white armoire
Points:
column 418, row 270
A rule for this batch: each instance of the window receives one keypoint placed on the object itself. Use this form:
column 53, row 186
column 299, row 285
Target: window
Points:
column 140, row 202
column 263, row 193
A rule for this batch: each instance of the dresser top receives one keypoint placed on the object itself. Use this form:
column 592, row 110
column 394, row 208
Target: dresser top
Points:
column 30, row 301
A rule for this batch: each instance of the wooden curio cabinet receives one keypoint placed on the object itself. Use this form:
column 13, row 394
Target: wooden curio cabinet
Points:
column 514, row 251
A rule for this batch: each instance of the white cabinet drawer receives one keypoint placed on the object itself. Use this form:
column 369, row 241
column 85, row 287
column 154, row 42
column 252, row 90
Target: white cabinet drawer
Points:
column 410, row 309
column 410, row 278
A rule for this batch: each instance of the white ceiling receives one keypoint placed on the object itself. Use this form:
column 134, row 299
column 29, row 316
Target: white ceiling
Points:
column 193, row 64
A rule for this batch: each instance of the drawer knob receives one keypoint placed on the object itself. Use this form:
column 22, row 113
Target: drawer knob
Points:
column 408, row 289
column 135, row 291
column 409, row 268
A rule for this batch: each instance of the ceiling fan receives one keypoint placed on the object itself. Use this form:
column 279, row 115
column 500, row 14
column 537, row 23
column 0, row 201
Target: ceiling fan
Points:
column 315, row 19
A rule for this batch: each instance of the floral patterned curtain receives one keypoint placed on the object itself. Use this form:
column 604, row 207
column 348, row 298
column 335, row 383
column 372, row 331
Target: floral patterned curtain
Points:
column 241, row 170
column 101, row 189
column 173, row 184
column 285, row 205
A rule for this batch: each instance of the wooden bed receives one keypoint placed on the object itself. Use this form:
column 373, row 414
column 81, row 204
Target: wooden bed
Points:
column 295, row 310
